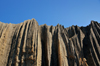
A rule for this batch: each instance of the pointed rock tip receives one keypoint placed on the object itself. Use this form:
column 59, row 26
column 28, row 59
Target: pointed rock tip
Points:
column 58, row 25
column 43, row 25
column 92, row 21
column 33, row 19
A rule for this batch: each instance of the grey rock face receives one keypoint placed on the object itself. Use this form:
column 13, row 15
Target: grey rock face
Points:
column 28, row 44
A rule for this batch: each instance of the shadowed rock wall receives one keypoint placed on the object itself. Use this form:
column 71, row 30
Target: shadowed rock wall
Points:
column 28, row 44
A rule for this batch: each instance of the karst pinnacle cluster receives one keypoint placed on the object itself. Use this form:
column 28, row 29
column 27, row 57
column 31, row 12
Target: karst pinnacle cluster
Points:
column 28, row 44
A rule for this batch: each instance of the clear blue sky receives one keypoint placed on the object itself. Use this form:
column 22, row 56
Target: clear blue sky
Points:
column 50, row 12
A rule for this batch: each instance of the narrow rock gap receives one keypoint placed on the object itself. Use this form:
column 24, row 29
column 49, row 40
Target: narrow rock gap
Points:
column 44, row 46
column 22, row 42
column 13, row 59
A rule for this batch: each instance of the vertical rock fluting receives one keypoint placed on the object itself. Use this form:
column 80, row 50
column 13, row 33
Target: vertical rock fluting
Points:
column 28, row 44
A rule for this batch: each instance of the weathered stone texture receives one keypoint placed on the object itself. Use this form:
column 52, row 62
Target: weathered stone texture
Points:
column 28, row 44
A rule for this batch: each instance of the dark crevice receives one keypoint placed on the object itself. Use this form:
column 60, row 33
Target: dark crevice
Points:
column 87, row 47
column 13, row 58
column 11, row 50
column 22, row 42
column 44, row 46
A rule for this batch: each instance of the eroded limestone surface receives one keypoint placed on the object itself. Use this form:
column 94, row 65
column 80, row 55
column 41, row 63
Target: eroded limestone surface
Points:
column 28, row 44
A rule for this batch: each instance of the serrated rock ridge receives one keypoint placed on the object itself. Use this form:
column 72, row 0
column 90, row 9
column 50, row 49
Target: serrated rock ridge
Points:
column 28, row 44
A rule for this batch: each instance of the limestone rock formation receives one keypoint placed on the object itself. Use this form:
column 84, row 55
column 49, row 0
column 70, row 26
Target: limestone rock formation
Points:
column 28, row 44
